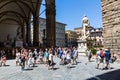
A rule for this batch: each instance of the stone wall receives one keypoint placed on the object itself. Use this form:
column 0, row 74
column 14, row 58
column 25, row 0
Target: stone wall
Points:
column 111, row 24
column 7, row 29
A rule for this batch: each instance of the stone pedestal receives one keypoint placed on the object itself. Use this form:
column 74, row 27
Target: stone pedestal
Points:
column 7, row 44
column 82, row 46
column 82, row 42
column 19, row 43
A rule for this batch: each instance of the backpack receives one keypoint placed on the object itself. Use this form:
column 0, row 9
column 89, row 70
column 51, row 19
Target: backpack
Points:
column 101, row 54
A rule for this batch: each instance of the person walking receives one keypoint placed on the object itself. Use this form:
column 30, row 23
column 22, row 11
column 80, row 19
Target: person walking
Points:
column 89, row 53
column 41, row 55
column 22, row 55
column 61, row 54
column 4, row 60
column 98, row 58
column 35, row 56
column 68, row 58
column 46, row 55
column 75, row 56
column 107, row 58
column 30, row 62
column 51, row 61
column 102, row 55
column 17, row 57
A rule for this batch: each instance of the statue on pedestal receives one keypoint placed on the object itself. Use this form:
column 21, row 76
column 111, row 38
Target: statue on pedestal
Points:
column 19, row 34
column 8, row 42
column 85, row 26
column 82, row 40
column 19, row 38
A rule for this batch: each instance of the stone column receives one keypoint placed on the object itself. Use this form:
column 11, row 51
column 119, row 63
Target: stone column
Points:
column 35, row 31
column 28, row 33
column 36, row 9
column 23, row 34
column 50, row 23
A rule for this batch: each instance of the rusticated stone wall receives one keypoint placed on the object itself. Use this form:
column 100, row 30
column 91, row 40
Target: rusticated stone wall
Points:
column 111, row 24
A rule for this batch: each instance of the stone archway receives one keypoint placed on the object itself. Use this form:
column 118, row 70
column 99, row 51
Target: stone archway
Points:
column 19, row 12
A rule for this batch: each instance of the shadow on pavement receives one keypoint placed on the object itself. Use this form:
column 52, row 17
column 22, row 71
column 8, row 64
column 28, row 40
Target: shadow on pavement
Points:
column 105, row 68
column 79, row 62
column 92, row 61
column 72, row 66
column 28, row 69
column 113, row 75
column 55, row 68
column 6, row 65
column 34, row 66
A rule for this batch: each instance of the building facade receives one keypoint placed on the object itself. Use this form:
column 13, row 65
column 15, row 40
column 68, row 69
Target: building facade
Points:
column 71, row 38
column 78, row 31
column 111, row 24
column 60, row 33
column 96, row 36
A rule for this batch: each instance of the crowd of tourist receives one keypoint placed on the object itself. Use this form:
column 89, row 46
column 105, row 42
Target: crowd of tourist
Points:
column 29, row 57
column 2, row 58
column 104, row 57
column 67, row 56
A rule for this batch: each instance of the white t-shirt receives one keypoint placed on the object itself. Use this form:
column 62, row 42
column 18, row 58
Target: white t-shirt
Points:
column 18, row 55
column 98, row 55
column 50, row 55
column 30, row 54
column 68, row 56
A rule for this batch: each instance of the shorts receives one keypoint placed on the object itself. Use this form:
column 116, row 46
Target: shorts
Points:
column 68, row 60
column 35, row 58
column 89, row 57
column 101, row 60
column 51, row 63
column 107, row 61
column 98, row 60
column 17, row 59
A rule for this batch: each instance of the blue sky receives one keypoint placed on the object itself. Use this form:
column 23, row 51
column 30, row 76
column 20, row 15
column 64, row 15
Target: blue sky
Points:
column 71, row 12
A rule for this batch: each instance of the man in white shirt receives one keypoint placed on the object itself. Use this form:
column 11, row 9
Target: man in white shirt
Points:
column 98, row 58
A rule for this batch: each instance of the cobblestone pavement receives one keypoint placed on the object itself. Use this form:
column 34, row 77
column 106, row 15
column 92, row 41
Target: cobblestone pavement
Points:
column 84, row 70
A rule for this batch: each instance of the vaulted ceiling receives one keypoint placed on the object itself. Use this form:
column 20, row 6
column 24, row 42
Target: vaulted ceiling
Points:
column 18, row 11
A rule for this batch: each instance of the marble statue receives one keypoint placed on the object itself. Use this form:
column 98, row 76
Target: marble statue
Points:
column 19, row 34
column 85, row 26
column 19, row 38
column 82, row 40
column 8, row 42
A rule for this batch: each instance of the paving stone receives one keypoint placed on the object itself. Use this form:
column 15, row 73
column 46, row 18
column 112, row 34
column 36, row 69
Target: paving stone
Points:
column 82, row 71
